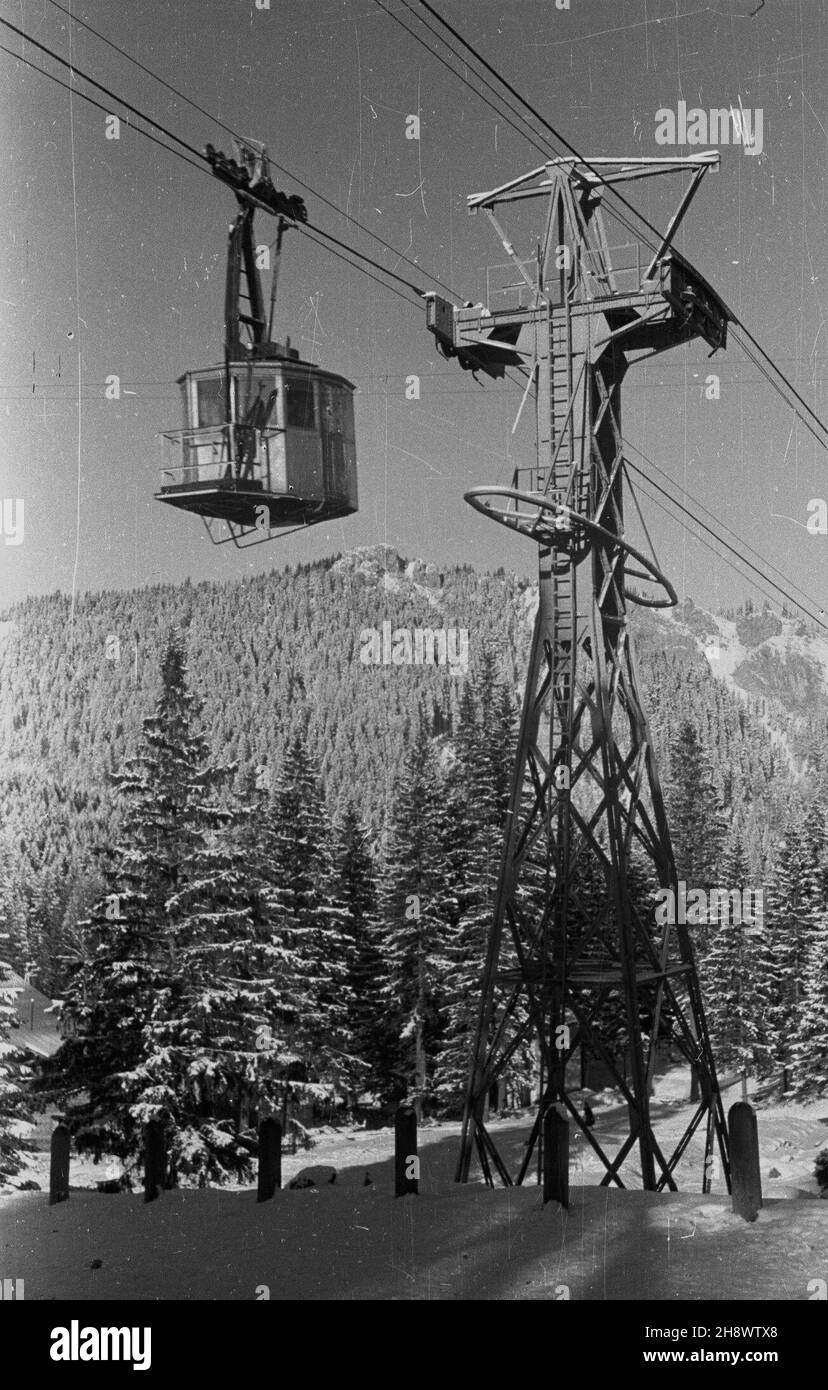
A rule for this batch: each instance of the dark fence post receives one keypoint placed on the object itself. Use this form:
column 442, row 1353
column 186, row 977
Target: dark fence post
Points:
column 59, row 1166
column 746, row 1178
column 270, row 1159
column 406, row 1162
column 155, row 1159
column 555, row 1157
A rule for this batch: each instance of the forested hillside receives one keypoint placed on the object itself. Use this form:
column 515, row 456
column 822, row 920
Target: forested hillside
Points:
column 279, row 655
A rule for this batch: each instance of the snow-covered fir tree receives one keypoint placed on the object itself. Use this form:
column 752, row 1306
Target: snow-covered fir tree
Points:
column 14, row 1076
column 735, row 978
column 793, row 897
column 694, row 813
column 358, row 891
column 310, row 925
column 201, row 1074
column 413, row 906
column 809, row 1052
column 128, row 960
column 476, row 806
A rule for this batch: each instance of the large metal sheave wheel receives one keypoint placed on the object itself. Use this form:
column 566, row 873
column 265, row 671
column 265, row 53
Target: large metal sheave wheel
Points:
column 550, row 523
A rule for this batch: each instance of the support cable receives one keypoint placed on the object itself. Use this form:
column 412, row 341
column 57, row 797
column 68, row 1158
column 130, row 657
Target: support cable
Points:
column 216, row 120
column 613, row 191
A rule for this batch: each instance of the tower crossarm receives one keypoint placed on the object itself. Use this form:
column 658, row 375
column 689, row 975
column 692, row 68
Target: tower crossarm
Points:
column 669, row 301
column 676, row 306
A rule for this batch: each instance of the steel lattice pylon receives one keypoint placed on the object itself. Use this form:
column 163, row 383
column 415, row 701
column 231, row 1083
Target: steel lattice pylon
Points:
column 574, row 960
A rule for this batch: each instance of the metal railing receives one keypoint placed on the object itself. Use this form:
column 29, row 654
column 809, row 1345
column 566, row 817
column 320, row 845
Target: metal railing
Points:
column 517, row 288
column 512, row 292
column 625, row 265
column 220, row 454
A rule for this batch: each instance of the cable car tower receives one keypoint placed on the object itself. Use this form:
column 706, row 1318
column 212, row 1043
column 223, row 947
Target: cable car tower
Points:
column 268, row 443
column 575, row 960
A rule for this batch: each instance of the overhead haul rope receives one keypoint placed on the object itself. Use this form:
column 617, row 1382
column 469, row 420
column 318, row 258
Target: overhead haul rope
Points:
column 216, row 120
column 531, row 135
column 774, row 597
column 612, row 191
column 344, row 247
column 814, row 617
column 527, row 133
column 717, row 520
column 188, row 148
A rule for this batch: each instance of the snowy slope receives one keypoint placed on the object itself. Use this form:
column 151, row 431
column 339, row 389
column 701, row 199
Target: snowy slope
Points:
column 354, row 1240
column 450, row 1242
column 773, row 664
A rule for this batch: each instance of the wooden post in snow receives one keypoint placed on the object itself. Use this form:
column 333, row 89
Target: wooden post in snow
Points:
column 745, row 1175
column 555, row 1157
column 155, row 1159
column 59, row 1166
column 406, row 1162
column 270, row 1159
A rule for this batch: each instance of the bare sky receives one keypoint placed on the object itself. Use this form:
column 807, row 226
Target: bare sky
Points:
column 113, row 263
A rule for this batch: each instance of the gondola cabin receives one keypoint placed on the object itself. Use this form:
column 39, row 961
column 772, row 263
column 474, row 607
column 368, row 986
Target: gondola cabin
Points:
column 268, row 440
column 288, row 445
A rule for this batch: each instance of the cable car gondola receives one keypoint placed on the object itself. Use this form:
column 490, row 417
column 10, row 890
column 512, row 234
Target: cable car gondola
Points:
column 268, row 441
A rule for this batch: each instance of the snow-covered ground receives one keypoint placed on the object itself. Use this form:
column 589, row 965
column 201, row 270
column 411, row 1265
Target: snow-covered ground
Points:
column 450, row 1242
column 354, row 1240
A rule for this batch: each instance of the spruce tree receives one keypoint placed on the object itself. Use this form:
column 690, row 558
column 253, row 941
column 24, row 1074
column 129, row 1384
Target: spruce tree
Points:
column 202, row 1073
column 793, row 899
column 15, row 1073
column 128, row 961
column 735, row 985
column 310, row 925
column 695, row 816
column 45, row 932
column 14, row 934
column 809, row 1051
column 358, row 891
column 413, row 906
column 476, row 808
